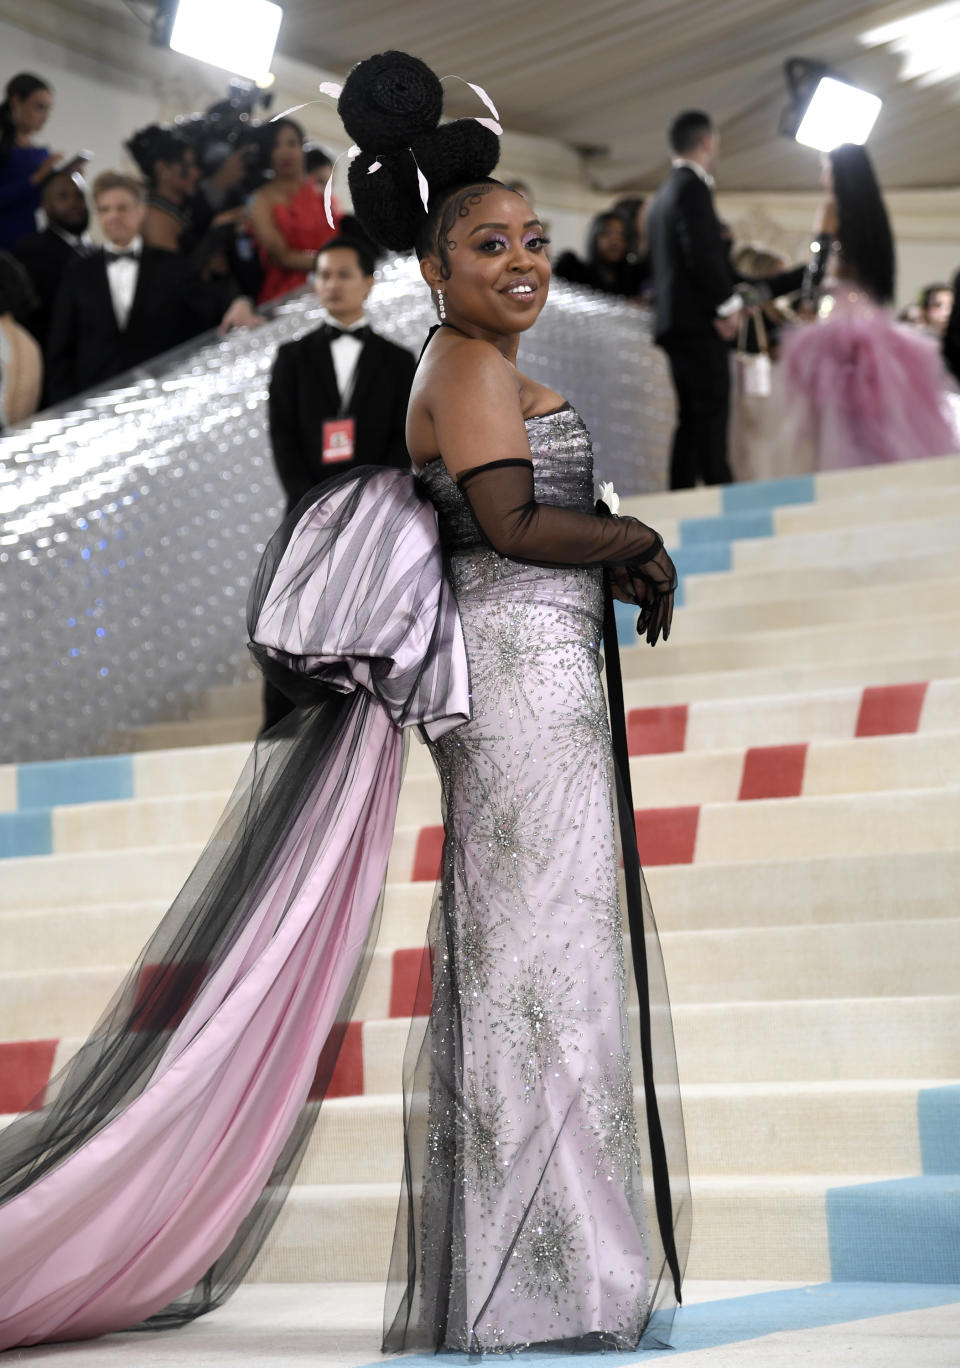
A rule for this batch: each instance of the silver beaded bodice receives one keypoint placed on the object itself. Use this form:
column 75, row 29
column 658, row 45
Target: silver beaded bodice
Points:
column 562, row 475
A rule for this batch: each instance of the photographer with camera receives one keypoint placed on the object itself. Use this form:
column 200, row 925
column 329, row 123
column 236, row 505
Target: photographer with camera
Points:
column 287, row 214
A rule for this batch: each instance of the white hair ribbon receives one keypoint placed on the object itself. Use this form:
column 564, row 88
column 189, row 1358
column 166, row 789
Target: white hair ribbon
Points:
column 325, row 88
column 422, row 184
column 477, row 90
column 334, row 91
column 351, row 152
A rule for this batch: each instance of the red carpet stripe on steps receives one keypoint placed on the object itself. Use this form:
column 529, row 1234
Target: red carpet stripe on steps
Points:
column 655, row 731
column 410, row 983
column 25, row 1068
column 426, row 859
column 667, row 835
column 773, row 772
column 890, row 708
column 345, row 1046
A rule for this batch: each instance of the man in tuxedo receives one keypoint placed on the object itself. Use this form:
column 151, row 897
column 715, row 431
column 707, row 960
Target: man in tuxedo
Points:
column 126, row 304
column 47, row 255
column 338, row 397
column 342, row 373
column 697, row 307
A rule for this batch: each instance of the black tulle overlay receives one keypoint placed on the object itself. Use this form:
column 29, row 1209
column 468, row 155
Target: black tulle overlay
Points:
column 142, row 1189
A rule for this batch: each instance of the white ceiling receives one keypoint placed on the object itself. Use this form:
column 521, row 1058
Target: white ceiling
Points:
column 609, row 74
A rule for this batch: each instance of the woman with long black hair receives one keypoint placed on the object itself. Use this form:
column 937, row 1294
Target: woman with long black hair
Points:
column 608, row 264
column 859, row 387
column 25, row 108
column 286, row 213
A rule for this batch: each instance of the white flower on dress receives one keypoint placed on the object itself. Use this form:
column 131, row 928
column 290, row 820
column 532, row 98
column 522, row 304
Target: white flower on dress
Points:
column 609, row 496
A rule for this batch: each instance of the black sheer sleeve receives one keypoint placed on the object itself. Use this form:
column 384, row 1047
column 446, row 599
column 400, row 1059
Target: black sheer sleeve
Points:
column 502, row 499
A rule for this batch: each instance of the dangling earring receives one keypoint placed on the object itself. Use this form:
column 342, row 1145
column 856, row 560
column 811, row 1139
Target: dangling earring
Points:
column 441, row 308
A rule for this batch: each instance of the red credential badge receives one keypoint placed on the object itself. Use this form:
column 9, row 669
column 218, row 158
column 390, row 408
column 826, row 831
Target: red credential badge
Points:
column 338, row 440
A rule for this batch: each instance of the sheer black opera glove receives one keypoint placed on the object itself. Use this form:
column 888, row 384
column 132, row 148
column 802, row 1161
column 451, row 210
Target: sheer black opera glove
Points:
column 501, row 498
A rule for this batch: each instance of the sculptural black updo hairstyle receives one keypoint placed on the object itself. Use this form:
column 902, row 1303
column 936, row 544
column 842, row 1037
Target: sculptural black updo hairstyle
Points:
column 391, row 105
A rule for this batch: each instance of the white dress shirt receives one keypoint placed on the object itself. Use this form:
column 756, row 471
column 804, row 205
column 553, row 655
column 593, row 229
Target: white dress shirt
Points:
column 698, row 170
column 122, row 279
column 345, row 352
column 735, row 301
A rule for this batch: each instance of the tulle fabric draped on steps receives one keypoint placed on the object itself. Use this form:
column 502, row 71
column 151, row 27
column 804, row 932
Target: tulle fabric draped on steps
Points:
column 143, row 1187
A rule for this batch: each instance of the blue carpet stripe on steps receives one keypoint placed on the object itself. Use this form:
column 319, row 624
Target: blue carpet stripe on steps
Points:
column 728, row 527
column 26, row 833
column 62, row 783
column 734, row 1320
column 905, row 1229
column 901, row 1230
column 796, row 489
column 938, row 1115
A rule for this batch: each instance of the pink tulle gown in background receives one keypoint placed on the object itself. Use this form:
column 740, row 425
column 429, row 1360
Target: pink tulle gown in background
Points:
column 861, row 389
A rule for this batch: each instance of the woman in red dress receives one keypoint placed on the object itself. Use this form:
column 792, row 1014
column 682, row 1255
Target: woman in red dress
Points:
column 287, row 214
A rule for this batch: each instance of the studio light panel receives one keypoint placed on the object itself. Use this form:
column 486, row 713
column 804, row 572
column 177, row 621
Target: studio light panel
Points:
column 237, row 35
column 838, row 113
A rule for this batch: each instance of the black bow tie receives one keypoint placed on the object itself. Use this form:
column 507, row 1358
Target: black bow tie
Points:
column 121, row 256
column 331, row 332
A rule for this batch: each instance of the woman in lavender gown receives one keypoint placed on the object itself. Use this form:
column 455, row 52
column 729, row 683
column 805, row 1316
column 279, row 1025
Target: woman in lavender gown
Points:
column 539, row 1205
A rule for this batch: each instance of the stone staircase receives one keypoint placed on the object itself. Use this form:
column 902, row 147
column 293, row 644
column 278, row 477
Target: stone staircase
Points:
column 796, row 768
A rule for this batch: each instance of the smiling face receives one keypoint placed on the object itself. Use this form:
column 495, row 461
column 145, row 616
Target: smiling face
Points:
column 498, row 269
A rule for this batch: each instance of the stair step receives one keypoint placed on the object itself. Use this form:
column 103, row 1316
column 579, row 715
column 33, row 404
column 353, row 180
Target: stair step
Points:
column 878, row 572
column 756, row 1042
column 857, row 959
column 803, row 1128
column 847, row 643
column 744, row 1227
column 870, row 764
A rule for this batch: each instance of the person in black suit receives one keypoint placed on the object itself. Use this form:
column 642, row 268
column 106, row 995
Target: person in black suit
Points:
column 47, row 255
column 697, row 307
column 338, row 397
column 341, row 370
column 126, row 304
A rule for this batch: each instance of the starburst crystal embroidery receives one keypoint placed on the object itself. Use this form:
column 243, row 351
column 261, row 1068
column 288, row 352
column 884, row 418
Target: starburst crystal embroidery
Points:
column 546, row 1254
column 534, row 1008
column 485, row 1135
column 613, row 1123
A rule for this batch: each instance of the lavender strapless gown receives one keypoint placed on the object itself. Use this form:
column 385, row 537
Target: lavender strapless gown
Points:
column 524, row 1208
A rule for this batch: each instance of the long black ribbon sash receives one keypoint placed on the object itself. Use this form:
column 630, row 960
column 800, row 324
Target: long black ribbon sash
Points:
column 631, row 869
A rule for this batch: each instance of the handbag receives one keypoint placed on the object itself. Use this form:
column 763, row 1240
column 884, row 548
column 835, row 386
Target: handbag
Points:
column 754, row 369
